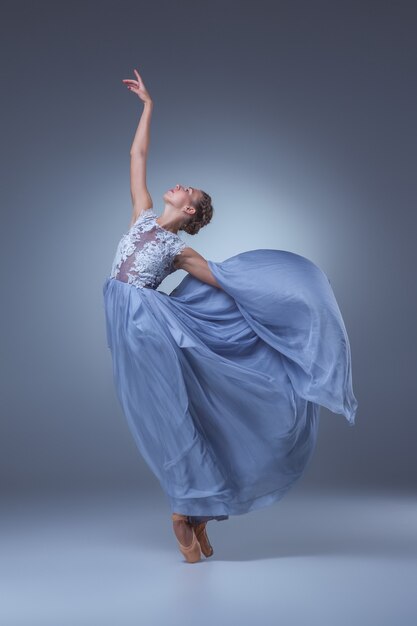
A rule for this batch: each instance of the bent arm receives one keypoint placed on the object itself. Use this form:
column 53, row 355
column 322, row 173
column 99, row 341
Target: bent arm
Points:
column 193, row 263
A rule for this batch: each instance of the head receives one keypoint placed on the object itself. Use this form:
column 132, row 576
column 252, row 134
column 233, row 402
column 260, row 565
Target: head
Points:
column 193, row 207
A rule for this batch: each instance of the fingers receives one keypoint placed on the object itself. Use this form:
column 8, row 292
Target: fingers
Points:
column 133, row 85
column 133, row 82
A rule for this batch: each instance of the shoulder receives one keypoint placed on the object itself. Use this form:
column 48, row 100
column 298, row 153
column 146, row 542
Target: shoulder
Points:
column 175, row 243
column 185, row 255
column 146, row 215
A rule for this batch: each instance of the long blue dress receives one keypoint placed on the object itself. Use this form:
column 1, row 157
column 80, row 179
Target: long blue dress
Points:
column 222, row 388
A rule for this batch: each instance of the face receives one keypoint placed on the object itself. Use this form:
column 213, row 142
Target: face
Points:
column 180, row 196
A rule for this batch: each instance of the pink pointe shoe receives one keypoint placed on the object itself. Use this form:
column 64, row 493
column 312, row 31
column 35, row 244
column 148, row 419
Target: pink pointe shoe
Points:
column 192, row 553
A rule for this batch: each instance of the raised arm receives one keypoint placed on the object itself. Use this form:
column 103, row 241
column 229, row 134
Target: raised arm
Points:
column 141, row 198
column 193, row 263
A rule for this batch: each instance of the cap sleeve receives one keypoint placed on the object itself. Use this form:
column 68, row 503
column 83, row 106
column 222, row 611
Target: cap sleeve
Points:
column 145, row 214
column 177, row 245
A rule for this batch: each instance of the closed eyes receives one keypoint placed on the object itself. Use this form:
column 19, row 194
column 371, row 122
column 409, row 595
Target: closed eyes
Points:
column 190, row 189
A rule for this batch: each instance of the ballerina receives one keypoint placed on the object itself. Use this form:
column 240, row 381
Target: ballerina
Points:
column 221, row 381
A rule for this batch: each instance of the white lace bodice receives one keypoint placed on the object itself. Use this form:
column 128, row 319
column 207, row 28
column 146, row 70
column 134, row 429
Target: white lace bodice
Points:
column 146, row 252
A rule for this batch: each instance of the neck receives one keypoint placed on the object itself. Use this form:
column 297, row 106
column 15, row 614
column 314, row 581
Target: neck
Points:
column 169, row 224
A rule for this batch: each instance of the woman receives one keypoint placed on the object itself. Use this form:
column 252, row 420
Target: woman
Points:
column 221, row 381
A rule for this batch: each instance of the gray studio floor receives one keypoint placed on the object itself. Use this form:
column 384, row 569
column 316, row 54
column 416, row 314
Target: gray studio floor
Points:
column 313, row 558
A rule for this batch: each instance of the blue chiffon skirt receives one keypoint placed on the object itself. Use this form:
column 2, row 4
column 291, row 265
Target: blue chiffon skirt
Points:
column 222, row 388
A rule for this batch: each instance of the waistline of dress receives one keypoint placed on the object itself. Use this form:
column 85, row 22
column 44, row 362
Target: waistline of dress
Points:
column 122, row 282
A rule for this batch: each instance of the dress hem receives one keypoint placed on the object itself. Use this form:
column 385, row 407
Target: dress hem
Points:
column 180, row 505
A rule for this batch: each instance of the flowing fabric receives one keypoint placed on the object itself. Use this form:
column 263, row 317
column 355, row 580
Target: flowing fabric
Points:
column 222, row 388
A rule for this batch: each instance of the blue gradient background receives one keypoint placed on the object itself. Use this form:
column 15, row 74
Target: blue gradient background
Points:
column 299, row 119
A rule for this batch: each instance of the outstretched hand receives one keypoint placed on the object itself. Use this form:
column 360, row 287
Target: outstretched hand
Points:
column 138, row 87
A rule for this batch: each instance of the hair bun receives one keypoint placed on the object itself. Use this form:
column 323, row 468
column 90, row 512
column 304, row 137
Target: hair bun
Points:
column 202, row 216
